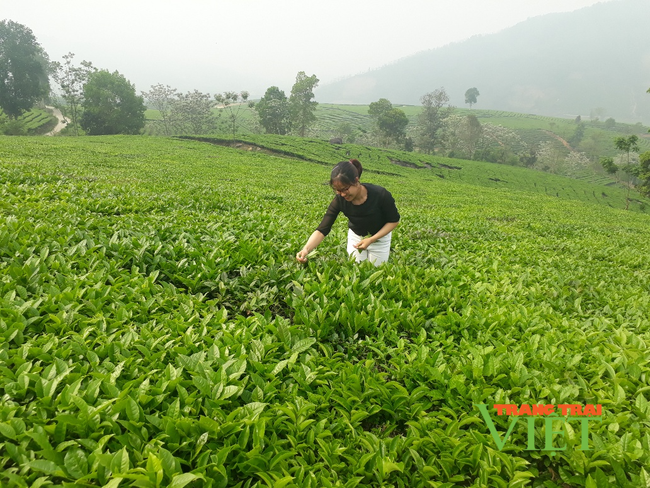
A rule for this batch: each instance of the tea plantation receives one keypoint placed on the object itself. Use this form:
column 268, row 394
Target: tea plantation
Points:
column 156, row 330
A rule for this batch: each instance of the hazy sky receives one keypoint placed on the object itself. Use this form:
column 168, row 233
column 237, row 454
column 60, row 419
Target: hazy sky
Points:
column 222, row 45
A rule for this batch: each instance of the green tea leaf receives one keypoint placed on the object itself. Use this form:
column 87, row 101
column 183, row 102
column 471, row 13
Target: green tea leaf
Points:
column 132, row 410
column 179, row 481
column 76, row 463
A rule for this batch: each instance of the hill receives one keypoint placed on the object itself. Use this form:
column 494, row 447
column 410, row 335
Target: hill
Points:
column 594, row 60
column 157, row 330
column 32, row 122
column 586, row 187
column 596, row 143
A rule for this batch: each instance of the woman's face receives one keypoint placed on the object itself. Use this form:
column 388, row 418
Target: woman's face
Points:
column 349, row 192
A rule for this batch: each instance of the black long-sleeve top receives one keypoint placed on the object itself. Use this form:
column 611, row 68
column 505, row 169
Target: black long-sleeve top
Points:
column 365, row 219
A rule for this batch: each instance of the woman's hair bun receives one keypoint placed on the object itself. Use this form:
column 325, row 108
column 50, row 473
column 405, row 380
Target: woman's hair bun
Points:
column 346, row 171
column 357, row 165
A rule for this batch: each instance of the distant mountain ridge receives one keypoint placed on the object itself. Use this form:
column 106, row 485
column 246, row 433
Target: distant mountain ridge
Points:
column 563, row 64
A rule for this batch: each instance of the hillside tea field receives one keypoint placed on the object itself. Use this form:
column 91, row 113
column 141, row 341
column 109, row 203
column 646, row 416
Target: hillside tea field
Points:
column 156, row 331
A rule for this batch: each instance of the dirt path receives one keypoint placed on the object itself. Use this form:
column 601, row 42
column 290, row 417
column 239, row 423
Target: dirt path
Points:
column 60, row 125
column 565, row 143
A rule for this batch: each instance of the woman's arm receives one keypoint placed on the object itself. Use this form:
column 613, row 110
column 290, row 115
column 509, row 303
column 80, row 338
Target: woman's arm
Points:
column 312, row 243
column 385, row 230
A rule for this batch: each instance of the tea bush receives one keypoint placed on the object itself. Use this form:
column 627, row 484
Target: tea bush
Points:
column 155, row 329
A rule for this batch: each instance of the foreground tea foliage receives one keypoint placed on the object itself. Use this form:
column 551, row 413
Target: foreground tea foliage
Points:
column 155, row 329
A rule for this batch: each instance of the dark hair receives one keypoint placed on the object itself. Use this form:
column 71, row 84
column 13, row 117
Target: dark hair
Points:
column 346, row 172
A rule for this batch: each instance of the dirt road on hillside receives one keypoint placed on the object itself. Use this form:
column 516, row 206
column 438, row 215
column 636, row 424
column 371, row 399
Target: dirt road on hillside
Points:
column 60, row 125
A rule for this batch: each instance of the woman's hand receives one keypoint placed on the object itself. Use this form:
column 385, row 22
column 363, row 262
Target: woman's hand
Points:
column 301, row 257
column 312, row 243
column 363, row 244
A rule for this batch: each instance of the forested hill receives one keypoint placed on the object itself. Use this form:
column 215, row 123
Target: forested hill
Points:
column 558, row 64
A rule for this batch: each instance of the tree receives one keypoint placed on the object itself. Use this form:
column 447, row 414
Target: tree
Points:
column 377, row 111
column 463, row 136
column 609, row 166
column 392, row 124
column 233, row 102
column 529, row 157
column 381, row 106
column 273, row 110
column 23, row 69
column 408, row 144
column 576, row 161
column 162, row 98
column 644, row 173
column 431, row 119
column 111, row 105
column 627, row 145
column 346, row 132
column 578, row 134
column 470, row 96
column 301, row 106
column 472, row 134
column 610, row 123
column 71, row 79
column 549, row 156
column 192, row 113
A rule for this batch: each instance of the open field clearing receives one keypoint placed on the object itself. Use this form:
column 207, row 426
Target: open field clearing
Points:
column 155, row 329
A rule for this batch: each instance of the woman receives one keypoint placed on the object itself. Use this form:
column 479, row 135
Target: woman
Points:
column 371, row 212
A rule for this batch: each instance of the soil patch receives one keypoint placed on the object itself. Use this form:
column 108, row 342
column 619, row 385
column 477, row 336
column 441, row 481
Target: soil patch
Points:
column 246, row 146
column 446, row 166
column 405, row 164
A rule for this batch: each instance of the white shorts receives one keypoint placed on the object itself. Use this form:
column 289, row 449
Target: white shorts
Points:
column 376, row 253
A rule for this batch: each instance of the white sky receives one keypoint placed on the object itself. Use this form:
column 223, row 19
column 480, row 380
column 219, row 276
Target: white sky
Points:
column 222, row 45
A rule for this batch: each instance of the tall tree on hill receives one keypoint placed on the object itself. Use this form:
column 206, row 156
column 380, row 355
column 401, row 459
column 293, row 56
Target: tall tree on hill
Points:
column 378, row 108
column 233, row 102
column 431, row 119
column 301, row 106
column 471, row 96
column 644, row 173
column 111, row 105
column 463, row 136
column 71, row 79
column 627, row 145
column 162, row 98
column 23, row 69
column 273, row 110
column 610, row 167
column 192, row 113
column 392, row 124
column 384, row 120
column 578, row 134
column 473, row 134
